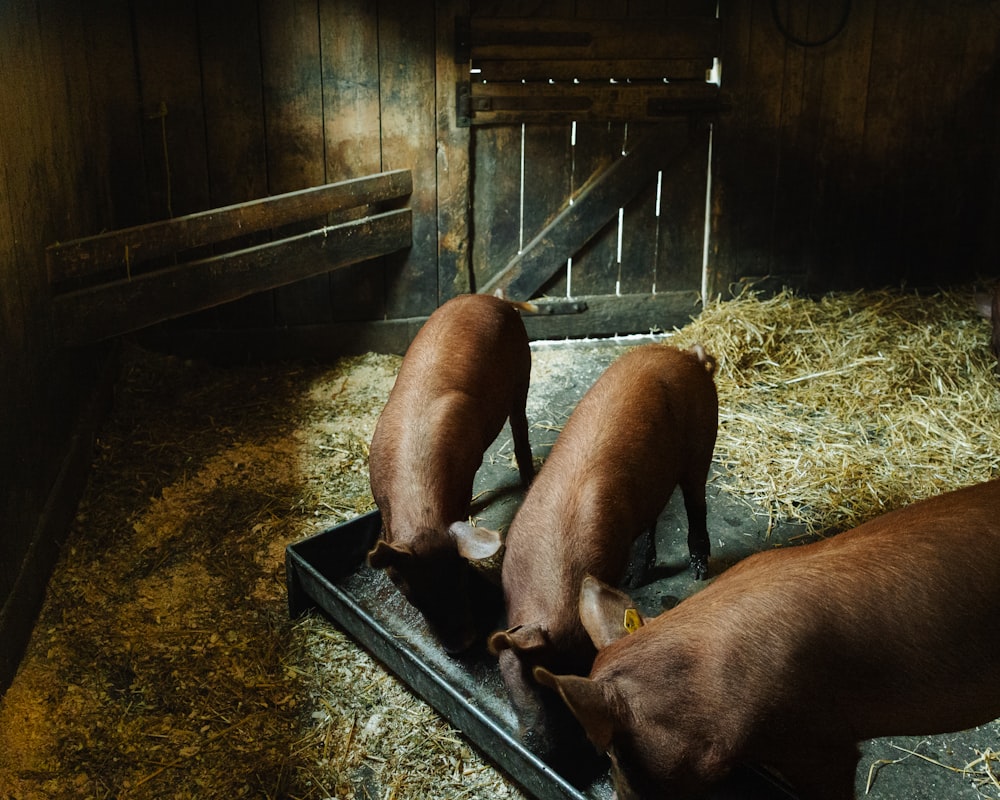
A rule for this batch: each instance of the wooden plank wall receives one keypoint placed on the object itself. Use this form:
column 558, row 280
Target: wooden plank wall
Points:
column 241, row 101
column 868, row 161
column 117, row 112
column 65, row 116
column 525, row 174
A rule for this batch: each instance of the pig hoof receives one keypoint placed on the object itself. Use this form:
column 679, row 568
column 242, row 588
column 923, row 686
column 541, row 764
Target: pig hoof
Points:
column 699, row 566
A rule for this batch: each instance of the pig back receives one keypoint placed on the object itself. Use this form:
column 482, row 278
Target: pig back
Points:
column 914, row 594
column 647, row 423
column 881, row 630
column 474, row 346
column 468, row 366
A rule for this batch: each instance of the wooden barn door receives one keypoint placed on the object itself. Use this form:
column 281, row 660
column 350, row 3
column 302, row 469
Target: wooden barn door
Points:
column 590, row 152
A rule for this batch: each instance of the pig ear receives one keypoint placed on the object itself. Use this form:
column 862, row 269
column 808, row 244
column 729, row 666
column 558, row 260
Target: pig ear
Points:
column 384, row 554
column 606, row 613
column 586, row 700
column 522, row 639
column 474, row 544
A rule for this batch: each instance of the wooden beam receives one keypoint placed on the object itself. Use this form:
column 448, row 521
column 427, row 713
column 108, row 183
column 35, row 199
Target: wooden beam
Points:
column 454, row 184
column 604, row 316
column 120, row 249
column 582, row 39
column 596, row 204
column 99, row 312
column 674, row 69
column 499, row 103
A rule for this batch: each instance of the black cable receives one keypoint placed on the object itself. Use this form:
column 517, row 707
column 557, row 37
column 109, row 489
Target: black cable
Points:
column 816, row 42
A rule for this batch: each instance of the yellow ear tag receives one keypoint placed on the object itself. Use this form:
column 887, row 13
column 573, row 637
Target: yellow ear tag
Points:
column 632, row 621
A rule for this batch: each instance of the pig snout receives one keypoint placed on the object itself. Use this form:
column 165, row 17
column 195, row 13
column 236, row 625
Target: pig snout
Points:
column 545, row 724
column 456, row 601
column 533, row 726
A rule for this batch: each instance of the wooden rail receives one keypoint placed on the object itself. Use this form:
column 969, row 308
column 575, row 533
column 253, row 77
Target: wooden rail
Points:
column 104, row 285
column 549, row 70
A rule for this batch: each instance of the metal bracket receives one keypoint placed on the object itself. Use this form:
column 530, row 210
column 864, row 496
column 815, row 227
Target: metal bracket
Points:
column 463, row 104
column 551, row 307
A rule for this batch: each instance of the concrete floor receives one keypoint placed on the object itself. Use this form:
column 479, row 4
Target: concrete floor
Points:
column 561, row 374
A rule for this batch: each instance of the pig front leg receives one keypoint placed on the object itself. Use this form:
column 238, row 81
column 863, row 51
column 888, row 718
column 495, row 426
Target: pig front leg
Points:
column 825, row 774
column 642, row 559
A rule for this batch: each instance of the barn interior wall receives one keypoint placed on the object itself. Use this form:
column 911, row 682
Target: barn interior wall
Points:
column 870, row 160
column 856, row 149
column 115, row 113
column 58, row 127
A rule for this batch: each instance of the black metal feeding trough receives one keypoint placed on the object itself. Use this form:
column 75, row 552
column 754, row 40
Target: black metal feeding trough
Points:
column 328, row 571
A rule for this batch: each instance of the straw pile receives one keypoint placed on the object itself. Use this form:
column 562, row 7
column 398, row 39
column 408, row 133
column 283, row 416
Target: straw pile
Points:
column 833, row 411
column 164, row 663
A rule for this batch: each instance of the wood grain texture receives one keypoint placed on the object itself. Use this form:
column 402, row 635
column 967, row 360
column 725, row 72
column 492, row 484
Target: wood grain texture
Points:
column 352, row 133
column 291, row 60
column 110, row 309
column 409, row 141
column 111, row 251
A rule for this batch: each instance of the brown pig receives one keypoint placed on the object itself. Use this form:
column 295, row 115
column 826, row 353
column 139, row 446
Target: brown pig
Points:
column 647, row 425
column 793, row 656
column 464, row 374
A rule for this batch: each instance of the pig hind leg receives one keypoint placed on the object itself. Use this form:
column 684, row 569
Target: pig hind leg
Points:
column 697, row 516
column 519, row 432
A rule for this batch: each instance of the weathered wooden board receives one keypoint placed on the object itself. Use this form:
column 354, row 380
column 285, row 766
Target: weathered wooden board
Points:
column 291, row 61
column 407, row 64
column 609, row 38
column 591, row 210
column 636, row 68
column 175, row 154
column 454, row 196
column 595, row 266
column 493, row 103
column 939, row 209
column 496, row 197
column 351, row 132
column 121, row 306
column 841, row 113
column 117, row 250
column 679, row 254
column 232, row 88
column 119, row 192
